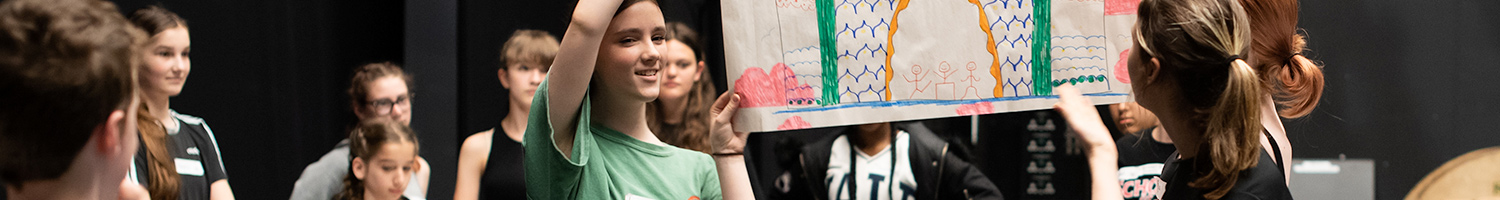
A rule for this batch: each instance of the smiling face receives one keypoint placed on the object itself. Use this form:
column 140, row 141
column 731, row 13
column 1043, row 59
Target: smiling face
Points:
column 631, row 54
column 385, row 174
column 683, row 70
column 167, row 63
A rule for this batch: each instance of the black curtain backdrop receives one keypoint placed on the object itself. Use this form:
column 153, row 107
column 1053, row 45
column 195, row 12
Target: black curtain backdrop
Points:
column 1409, row 83
column 270, row 78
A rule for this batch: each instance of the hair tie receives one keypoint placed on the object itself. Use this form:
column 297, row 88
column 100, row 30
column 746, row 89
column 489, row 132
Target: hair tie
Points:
column 1294, row 55
column 1232, row 58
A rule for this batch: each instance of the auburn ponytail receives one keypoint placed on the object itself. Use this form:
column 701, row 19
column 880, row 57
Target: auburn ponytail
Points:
column 163, row 182
column 1301, row 85
column 1295, row 82
column 1231, row 140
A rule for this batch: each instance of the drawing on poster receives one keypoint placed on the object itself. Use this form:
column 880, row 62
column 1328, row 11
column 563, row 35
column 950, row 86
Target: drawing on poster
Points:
column 818, row 63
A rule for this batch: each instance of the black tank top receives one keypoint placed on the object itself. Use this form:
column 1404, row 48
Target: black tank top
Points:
column 504, row 174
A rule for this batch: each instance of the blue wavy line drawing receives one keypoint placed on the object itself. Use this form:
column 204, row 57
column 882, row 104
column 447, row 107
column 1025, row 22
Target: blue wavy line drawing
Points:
column 794, row 64
column 1076, row 58
column 866, row 70
column 868, row 89
column 868, row 3
column 864, row 24
column 1017, row 86
column 1026, row 38
column 1084, row 37
column 802, row 49
column 1014, row 19
column 1015, row 64
column 856, row 53
column 1080, row 68
column 1006, row 3
column 1075, row 48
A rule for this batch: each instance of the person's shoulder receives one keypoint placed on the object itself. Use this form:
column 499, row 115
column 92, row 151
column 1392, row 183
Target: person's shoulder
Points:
column 478, row 141
column 188, row 119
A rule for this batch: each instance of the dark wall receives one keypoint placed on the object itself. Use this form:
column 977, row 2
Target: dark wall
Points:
column 269, row 77
column 1410, row 83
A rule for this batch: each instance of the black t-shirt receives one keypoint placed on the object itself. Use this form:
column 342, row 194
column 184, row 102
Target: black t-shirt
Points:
column 504, row 174
column 1141, row 161
column 196, row 153
column 1264, row 181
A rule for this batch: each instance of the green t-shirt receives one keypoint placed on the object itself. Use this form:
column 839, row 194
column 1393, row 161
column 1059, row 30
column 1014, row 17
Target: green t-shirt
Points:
column 607, row 164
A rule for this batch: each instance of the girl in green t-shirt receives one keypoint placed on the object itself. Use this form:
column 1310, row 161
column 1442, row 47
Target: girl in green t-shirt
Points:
column 578, row 148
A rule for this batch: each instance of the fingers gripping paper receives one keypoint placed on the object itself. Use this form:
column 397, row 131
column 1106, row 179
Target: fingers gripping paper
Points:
column 817, row 63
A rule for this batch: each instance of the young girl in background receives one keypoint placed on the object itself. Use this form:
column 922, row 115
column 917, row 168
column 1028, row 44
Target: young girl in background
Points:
column 489, row 167
column 385, row 156
column 680, row 115
column 179, row 157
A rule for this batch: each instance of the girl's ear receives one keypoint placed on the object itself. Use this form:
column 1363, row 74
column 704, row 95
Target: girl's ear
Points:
column 699, row 75
column 1153, row 70
column 359, row 168
column 504, row 81
column 416, row 164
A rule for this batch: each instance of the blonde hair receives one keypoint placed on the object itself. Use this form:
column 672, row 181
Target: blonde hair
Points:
column 1201, row 44
column 528, row 46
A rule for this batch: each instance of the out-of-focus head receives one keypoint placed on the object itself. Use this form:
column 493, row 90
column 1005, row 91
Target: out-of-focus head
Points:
column 68, row 78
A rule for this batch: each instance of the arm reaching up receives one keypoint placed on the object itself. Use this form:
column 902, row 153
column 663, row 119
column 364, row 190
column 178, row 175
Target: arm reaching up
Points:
column 574, row 67
column 1103, row 157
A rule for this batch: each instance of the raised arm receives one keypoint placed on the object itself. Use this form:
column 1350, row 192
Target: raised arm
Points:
column 1103, row 157
column 568, row 80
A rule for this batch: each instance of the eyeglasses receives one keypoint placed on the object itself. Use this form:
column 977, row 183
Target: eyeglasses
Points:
column 385, row 106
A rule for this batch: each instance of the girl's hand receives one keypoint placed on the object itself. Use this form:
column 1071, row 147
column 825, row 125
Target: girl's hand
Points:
column 1082, row 117
column 722, row 137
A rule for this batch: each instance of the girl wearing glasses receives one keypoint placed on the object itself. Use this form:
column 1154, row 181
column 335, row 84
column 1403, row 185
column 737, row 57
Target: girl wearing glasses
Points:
column 378, row 91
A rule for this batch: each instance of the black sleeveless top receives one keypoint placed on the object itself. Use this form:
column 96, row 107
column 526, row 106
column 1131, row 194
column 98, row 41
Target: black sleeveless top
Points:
column 504, row 174
column 1263, row 181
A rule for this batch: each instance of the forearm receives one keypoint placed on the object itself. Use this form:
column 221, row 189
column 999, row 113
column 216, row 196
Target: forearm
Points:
column 1104, row 172
column 572, row 70
column 734, row 178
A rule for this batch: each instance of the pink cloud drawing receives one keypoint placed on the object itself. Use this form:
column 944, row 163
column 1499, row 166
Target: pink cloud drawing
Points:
column 1121, row 71
column 794, row 123
column 975, row 109
column 779, row 88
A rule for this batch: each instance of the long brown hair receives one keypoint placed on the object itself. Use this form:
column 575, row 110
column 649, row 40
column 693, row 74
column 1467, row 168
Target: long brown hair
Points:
column 367, row 140
column 693, row 132
column 1295, row 81
column 165, row 183
column 1200, row 43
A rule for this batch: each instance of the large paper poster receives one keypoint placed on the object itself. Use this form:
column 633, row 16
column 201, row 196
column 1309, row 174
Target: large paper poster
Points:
column 816, row 63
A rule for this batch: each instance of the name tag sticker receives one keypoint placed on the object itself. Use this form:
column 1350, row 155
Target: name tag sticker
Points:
column 189, row 167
